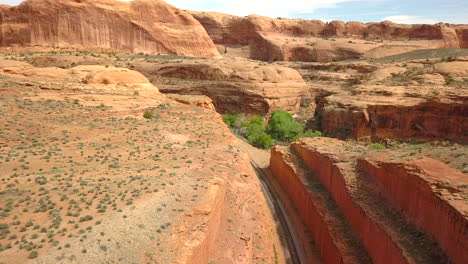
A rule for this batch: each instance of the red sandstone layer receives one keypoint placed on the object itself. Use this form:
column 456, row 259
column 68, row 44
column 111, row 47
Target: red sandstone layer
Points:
column 380, row 237
column 229, row 29
column 327, row 230
column 153, row 27
column 394, row 118
column 418, row 190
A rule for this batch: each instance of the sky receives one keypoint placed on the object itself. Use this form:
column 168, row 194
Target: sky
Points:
column 399, row 11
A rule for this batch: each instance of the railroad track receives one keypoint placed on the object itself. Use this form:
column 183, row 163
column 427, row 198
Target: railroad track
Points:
column 292, row 242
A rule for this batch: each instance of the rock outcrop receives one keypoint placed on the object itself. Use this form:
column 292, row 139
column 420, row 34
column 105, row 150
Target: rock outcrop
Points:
column 196, row 100
column 262, row 34
column 229, row 29
column 328, row 229
column 380, row 117
column 425, row 192
column 146, row 26
column 87, row 77
column 330, row 165
column 243, row 86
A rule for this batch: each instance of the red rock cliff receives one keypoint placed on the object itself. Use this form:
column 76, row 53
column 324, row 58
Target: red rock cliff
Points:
column 228, row 29
column 139, row 26
column 417, row 189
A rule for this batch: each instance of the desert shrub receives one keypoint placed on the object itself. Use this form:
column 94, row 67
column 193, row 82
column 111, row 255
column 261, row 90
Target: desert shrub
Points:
column 230, row 119
column 282, row 126
column 449, row 80
column 312, row 133
column 148, row 114
column 256, row 119
column 377, row 146
column 261, row 140
column 33, row 255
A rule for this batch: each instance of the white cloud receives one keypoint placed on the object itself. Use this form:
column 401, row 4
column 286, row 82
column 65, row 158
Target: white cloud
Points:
column 272, row 8
column 405, row 19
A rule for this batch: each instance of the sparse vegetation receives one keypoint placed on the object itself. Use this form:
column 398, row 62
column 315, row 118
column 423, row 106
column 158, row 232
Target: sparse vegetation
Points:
column 280, row 128
column 148, row 114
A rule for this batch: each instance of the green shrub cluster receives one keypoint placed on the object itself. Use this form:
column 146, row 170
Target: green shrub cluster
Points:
column 280, row 128
column 230, row 119
column 148, row 114
column 255, row 132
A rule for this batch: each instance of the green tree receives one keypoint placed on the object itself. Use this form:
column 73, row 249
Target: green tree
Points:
column 281, row 126
column 261, row 140
column 230, row 119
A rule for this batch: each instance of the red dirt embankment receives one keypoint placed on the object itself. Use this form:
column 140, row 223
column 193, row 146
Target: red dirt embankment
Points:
column 422, row 190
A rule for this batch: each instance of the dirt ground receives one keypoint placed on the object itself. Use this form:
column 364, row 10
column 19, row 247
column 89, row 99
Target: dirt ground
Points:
column 85, row 178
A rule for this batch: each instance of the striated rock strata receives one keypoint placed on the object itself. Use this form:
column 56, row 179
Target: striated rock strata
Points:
column 422, row 190
column 138, row 26
column 268, row 37
column 328, row 165
column 229, row 29
column 410, row 112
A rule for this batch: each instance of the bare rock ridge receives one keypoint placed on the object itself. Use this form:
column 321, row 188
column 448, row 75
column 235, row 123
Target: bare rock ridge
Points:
column 90, row 77
column 283, row 39
column 229, row 29
column 147, row 26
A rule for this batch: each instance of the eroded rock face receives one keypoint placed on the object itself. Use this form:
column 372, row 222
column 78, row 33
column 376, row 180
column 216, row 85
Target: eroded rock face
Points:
column 96, row 108
column 229, row 29
column 420, row 190
column 399, row 118
column 138, row 26
column 239, row 86
column 262, row 34
column 375, row 192
column 219, row 25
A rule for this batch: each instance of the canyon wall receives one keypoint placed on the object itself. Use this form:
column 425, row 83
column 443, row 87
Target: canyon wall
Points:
column 228, row 29
column 421, row 120
column 401, row 211
column 381, row 243
column 146, row 26
column 310, row 205
column 421, row 190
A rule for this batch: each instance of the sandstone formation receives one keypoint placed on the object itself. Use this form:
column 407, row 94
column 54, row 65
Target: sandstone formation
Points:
column 146, row 26
column 243, row 86
column 427, row 192
column 379, row 117
column 196, row 100
column 418, row 99
column 66, row 61
column 261, row 33
column 328, row 230
column 271, row 48
column 332, row 162
column 228, row 29
column 90, row 77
